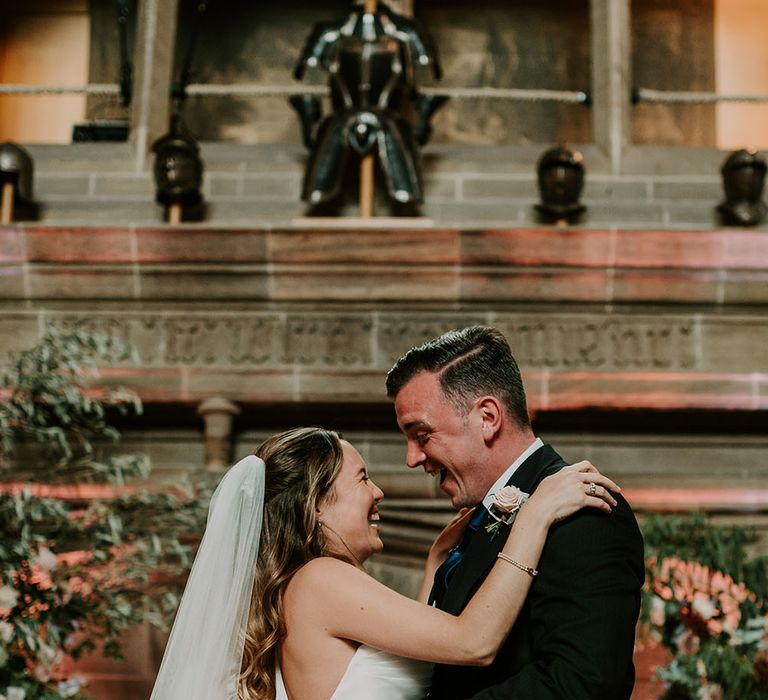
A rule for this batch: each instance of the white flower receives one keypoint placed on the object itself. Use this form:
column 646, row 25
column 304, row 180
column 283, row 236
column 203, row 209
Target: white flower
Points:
column 703, row 607
column 50, row 657
column 508, row 499
column 711, row 692
column 506, row 503
column 42, row 673
column 71, row 687
column 15, row 693
column 6, row 631
column 658, row 614
column 8, row 597
column 46, row 559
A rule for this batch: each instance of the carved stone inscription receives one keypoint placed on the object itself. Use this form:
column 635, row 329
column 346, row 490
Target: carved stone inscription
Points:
column 601, row 344
column 398, row 334
column 247, row 340
column 369, row 340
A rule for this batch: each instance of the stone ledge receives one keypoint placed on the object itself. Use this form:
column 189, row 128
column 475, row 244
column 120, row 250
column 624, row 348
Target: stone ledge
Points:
column 609, row 248
column 598, row 318
column 571, row 360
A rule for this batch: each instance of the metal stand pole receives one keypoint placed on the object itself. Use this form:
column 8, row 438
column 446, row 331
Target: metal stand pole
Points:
column 366, row 164
column 6, row 204
column 174, row 213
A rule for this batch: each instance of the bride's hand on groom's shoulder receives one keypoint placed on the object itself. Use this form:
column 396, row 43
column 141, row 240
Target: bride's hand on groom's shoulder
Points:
column 451, row 534
column 574, row 487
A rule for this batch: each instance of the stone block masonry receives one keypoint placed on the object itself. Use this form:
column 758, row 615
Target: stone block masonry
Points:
column 260, row 186
column 598, row 318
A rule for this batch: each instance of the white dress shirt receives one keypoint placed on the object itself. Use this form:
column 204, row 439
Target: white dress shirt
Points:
column 501, row 482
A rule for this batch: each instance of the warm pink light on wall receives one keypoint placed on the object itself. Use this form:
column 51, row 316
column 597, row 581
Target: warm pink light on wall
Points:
column 741, row 67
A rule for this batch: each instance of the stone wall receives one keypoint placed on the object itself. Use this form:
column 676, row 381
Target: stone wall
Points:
column 520, row 45
column 300, row 326
column 465, row 186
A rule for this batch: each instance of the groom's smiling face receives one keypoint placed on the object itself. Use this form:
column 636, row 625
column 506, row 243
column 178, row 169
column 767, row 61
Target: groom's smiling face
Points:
column 441, row 439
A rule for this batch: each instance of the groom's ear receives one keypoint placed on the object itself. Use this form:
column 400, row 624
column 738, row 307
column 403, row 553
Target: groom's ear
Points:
column 491, row 415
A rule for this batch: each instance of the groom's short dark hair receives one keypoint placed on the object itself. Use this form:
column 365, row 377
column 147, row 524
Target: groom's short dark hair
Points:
column 470, row 362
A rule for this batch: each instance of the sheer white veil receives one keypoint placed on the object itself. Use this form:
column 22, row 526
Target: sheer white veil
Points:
column 204, row 652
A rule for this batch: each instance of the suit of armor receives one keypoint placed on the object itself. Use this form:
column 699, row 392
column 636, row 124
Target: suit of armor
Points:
column 371, row 60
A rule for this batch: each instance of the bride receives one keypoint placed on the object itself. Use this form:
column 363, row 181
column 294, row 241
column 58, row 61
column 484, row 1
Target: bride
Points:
column 278, row 604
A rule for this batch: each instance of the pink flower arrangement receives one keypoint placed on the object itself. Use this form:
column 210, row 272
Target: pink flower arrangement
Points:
column 709, row 601
column 707, row 620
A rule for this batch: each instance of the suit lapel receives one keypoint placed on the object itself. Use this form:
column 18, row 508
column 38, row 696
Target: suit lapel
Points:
column 481, row 552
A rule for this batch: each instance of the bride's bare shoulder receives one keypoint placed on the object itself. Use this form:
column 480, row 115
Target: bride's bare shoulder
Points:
column 318, row 576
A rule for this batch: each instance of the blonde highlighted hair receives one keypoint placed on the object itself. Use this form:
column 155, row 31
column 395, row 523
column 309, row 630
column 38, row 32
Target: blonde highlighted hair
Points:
column 301, row 467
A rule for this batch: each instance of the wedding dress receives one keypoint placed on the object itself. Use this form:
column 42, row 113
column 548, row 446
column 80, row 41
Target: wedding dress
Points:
column 377, row 675
column 205, row 649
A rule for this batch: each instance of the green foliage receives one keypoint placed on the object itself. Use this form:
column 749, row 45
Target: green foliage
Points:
column 706, row 600
column 77, row 574
column 693, row 537
column 49, row 401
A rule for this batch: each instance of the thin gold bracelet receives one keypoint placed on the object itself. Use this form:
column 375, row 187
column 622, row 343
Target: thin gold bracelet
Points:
column 528, row 569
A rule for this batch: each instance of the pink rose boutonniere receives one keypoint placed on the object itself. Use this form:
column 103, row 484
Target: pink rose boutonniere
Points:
column 503, row 510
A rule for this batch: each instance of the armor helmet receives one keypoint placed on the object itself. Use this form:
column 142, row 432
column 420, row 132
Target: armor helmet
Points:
column 16, row 166
column 178, row 167
column 743, row 180
column 561, row 179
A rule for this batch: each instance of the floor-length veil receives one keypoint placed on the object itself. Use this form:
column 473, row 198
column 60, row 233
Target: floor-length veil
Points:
column 204, row 652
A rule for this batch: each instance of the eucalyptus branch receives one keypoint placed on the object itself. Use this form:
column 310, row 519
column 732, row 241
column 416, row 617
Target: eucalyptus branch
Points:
column 76, row 575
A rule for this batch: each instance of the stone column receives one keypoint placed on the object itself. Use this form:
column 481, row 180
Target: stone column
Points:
column 611, row 78
column 218, row 414
column 153, row 60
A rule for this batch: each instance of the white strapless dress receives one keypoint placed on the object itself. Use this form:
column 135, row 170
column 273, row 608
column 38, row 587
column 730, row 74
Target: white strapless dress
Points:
column 377, row 675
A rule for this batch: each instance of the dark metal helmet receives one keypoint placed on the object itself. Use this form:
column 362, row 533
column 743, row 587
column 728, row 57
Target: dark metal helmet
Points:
column 178, row 167
column 743, row 182
column 560, row 173
column 16, row 166
column 744, row 157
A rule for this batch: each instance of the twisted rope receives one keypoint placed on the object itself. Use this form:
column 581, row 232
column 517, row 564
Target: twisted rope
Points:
column 95, row 89
column 254, row 90
column 257, row 90
column 486, row 93
column 689, row 97
column 518, row 94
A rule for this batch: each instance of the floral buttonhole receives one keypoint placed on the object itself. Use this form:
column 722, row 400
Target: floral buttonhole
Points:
column 503, row 510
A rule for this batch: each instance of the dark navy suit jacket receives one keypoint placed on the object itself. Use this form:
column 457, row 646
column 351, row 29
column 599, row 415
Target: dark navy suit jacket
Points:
column 574, row 637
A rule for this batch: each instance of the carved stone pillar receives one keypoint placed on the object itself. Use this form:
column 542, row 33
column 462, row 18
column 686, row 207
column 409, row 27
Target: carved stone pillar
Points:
column 156, row 38
column 217, row 413
column 611, row 47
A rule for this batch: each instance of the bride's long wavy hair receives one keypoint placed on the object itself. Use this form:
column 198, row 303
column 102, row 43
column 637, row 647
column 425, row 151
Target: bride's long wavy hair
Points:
column 301, row 467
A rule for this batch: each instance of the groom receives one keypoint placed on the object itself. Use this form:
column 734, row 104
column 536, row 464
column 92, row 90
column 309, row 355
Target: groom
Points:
column 460, row 402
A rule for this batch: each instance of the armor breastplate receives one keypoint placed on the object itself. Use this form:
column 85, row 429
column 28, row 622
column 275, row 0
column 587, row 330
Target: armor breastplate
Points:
column 367, row 75
column 370, row 59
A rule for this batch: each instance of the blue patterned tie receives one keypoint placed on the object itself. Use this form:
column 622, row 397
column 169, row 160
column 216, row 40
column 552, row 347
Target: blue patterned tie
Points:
column 447, row 569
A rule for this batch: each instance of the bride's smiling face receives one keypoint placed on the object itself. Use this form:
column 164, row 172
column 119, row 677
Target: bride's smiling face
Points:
column 350, row 516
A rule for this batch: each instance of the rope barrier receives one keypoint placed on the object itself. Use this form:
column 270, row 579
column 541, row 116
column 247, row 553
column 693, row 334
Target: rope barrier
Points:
column 689, row 97
column 521, row 94
column 253, row 90
column 95, row 89
column 490, row 93
column 258, row 90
